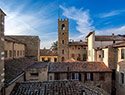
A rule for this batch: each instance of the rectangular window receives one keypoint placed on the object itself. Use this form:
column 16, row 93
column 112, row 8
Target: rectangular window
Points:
column 102, row 53
column 122, row 53
column 62, row 41
column 14, row 52
column 78, row 48
column 122, row 78
column 50, row 78
column 73, row 55
column 57, row 76
column 43, row 59
column 89, row 76
column 18, row 53
column 49, row 59
column 99, row 56
column 10, row 53
column 34, row 74
column 5, row 53
column 62, row 51
column 101, row 76
column 55, row 59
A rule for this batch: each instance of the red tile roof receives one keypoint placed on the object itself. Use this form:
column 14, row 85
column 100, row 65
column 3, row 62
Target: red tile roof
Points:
column 14, row 67
column 109, row 38
column 48, row 52
column 78, row 67
column 78, row 43
column 56, row 88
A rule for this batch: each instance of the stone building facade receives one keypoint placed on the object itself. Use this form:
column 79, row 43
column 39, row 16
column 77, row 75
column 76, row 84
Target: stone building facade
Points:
column 48, row 55
column 37, row 72
column 32, row 45
column 2, row 17
column 13, row 48
column 69, row 49
column 120, row 78
column 63, row 40
column 94, row 73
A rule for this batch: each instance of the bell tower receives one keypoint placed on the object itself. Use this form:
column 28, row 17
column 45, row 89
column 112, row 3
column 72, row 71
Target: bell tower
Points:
column 63, row 40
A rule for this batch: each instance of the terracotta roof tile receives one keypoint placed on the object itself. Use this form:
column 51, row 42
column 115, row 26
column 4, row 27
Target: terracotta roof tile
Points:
column 56, row 88
column 109, row 38
column 48, row 52
column 78, row 67
column 78, row 43
column 14, row 67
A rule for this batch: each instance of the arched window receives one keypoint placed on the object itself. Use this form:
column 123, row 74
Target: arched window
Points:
column 62, row 51
column 62, row 41
column 62, row 59
column 63, row 27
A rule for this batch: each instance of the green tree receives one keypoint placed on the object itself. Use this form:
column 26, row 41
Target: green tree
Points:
column 54, row 45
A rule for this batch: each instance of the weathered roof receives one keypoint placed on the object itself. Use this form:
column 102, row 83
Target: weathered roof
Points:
column 121, row 44
column 38, row 65
column 14, row 67
column 56, row 88
column 78, row 67
column 8, row 38
column 90, row 34
column 109, row 38
column 2, row 12
column 48, row 52
column 79, row 43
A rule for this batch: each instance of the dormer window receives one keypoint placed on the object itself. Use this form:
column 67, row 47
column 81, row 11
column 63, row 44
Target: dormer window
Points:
column 63, row 27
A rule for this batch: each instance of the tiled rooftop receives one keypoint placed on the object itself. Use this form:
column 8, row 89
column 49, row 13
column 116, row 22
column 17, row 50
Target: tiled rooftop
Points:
column 109, row 38
column 78, row 67
column 56, row 88
column 78, row 43
column 48, row 52
column 14, row 67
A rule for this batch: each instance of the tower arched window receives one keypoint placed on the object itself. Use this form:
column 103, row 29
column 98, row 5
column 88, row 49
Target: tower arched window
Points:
column 62, row 51
column 63, row 59
column 62, row 41
column 63, row 27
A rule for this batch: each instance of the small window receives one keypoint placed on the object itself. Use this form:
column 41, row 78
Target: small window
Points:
column 99, row 56
column 18, row 53
column 62, row 33
column 63, row 27
column 72, row 48
column 102, row 53
column 73, row 55
column 78, row 48
column 63, row 59
column 122, row 53
column 43, row 59
column 34, row 74
column 62, row 51
column 122, row 78
column 14, row 53
column 5, row 53
column 62, row 41
column 10, row 53
column 55, row 59
column 102, row 76
column 89, row 76
column 50, row 78
column 49, row 59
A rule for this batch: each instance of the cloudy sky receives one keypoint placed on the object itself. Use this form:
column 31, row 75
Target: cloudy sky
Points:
column 40, row 17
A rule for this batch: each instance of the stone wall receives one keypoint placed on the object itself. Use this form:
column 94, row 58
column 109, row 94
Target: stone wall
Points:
column 63, row 40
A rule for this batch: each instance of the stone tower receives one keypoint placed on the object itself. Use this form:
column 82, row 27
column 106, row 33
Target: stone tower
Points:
column 2, row 15
column 63, row 40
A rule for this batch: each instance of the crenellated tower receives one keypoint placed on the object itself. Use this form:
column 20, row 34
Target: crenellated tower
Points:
column 63, row 40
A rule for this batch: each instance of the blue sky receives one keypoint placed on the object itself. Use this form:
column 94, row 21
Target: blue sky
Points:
column 40, row 17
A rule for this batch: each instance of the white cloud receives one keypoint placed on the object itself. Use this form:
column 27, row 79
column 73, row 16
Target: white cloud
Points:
column 31, row 22
column 82, row 18
column 112, row 13
column 116, row 31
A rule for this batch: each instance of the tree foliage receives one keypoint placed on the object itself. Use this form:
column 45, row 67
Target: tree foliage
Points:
column 54, row 45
